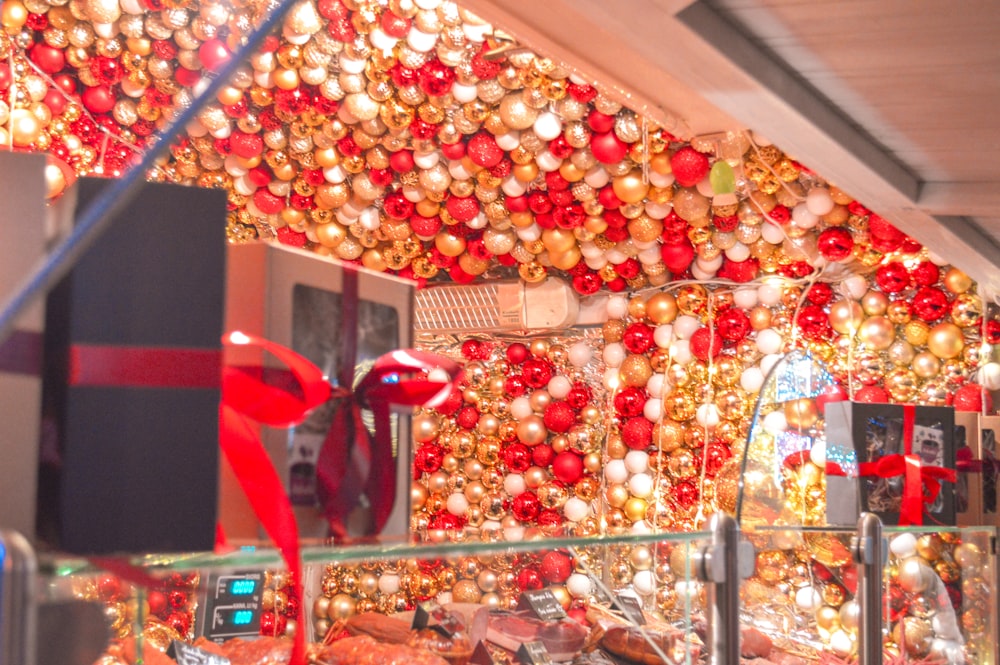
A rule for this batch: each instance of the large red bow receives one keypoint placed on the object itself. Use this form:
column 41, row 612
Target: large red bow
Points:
column 921, row 482
column 280, row 399
column 354, row 461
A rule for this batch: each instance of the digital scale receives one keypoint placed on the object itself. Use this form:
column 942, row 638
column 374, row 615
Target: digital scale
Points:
column 231, row 606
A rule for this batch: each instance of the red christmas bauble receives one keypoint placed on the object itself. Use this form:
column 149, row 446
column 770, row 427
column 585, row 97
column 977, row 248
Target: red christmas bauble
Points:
column 814, row 323
column 425, row 227
column 689, row 166
column 637, row 433
column 462, row 208
column 556, row 567
column 568, row 467
column 484, row 151
column 517, row 353
column 213, row 54
column 733, row 325
column 559, row 416
column 608, row 148
column 515, row 386
column 973, row 397
column 832, row 393
column 268, row 203
column 638, row 337
column 685, row 494
column 835, row 243
column 892, row 278
column 48, row 58
column 599, row 122
column 157, row 602
column 468, row 417
column 401, row 161
column 630, row 401
column 677, row 257
column 872, row 395
column 529, row 579
column 246, row 145
column 820, row 293
column 705, row 343
column 542, row 455
column 925, row 273
column 526, row 506
column 98, row 99
column 475, row 349
column 715, row 457
column 537, row 372
column 740, row 272
column 930, row 304
column 517, row 457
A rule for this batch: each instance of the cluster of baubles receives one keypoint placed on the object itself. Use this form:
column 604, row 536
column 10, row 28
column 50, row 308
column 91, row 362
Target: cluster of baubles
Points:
column 166, row 613
column 494, row 580
column 518, row 447
column 935, row 595
column 407, row 136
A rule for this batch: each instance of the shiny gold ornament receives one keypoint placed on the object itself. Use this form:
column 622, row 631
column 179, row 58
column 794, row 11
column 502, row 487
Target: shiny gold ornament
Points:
column 916, row 332
column 691, row 299
column 945, row 340
column 877, row 332
column 966, row 310
column 956, row 281
column 635, row 370
column 661, row 308
column 902, row 384
column 801, row 413
column 913, row 634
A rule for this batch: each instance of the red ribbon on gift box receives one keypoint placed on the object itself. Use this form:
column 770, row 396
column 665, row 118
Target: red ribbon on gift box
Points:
column 352, row 461
column 921, row 482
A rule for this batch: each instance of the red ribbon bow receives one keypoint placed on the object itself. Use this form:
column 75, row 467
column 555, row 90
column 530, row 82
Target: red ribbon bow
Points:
column 921, row 482
column 278, row 399
column 354, row 461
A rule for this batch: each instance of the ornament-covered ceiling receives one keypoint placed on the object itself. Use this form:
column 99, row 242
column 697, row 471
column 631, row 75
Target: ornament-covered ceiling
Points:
column 418, row 139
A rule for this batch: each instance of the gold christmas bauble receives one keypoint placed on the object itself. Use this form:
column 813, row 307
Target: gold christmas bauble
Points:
column 945, row 340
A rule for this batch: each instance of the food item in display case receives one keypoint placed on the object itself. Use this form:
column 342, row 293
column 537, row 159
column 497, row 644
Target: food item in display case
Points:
column 454, row 648
column 364, row 650
column 563, row 639
column 645, row 645
column 386, row 629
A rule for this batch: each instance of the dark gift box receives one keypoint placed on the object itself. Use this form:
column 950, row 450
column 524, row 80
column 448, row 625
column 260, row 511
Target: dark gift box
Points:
column 132, row 372
column 905, row 460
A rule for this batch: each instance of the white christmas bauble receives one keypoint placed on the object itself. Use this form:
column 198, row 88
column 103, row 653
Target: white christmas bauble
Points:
column 513, row 484
column 520, row 408
column 640, row 485
column 663, row 334
column 579, row 585
column 637, row 461
column 614, row 354
column 655, row 385
column 617, row 307
column 808, row 598
column 644, row 582
column 818, row 201
column 904, row 545
column 457, row 503
column 707, row 415
column 775, row 423
column 576, row 509
column 559, row 386
column 615, row 471
column 745, row 298
column 580, row 354
column 653, row 410
column 769, row 341
column 685, row 326
column 751, row 379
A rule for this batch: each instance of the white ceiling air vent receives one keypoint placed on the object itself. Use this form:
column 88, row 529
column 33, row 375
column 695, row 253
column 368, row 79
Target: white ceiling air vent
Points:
column 501, row 306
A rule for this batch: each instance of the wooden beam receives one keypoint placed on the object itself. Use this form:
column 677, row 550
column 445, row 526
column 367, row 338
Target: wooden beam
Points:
column 978, row 199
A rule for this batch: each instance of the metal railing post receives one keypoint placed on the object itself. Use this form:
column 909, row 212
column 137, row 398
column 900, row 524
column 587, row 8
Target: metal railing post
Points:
column 869, row 554
column 18, row 603
column 722, row 564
